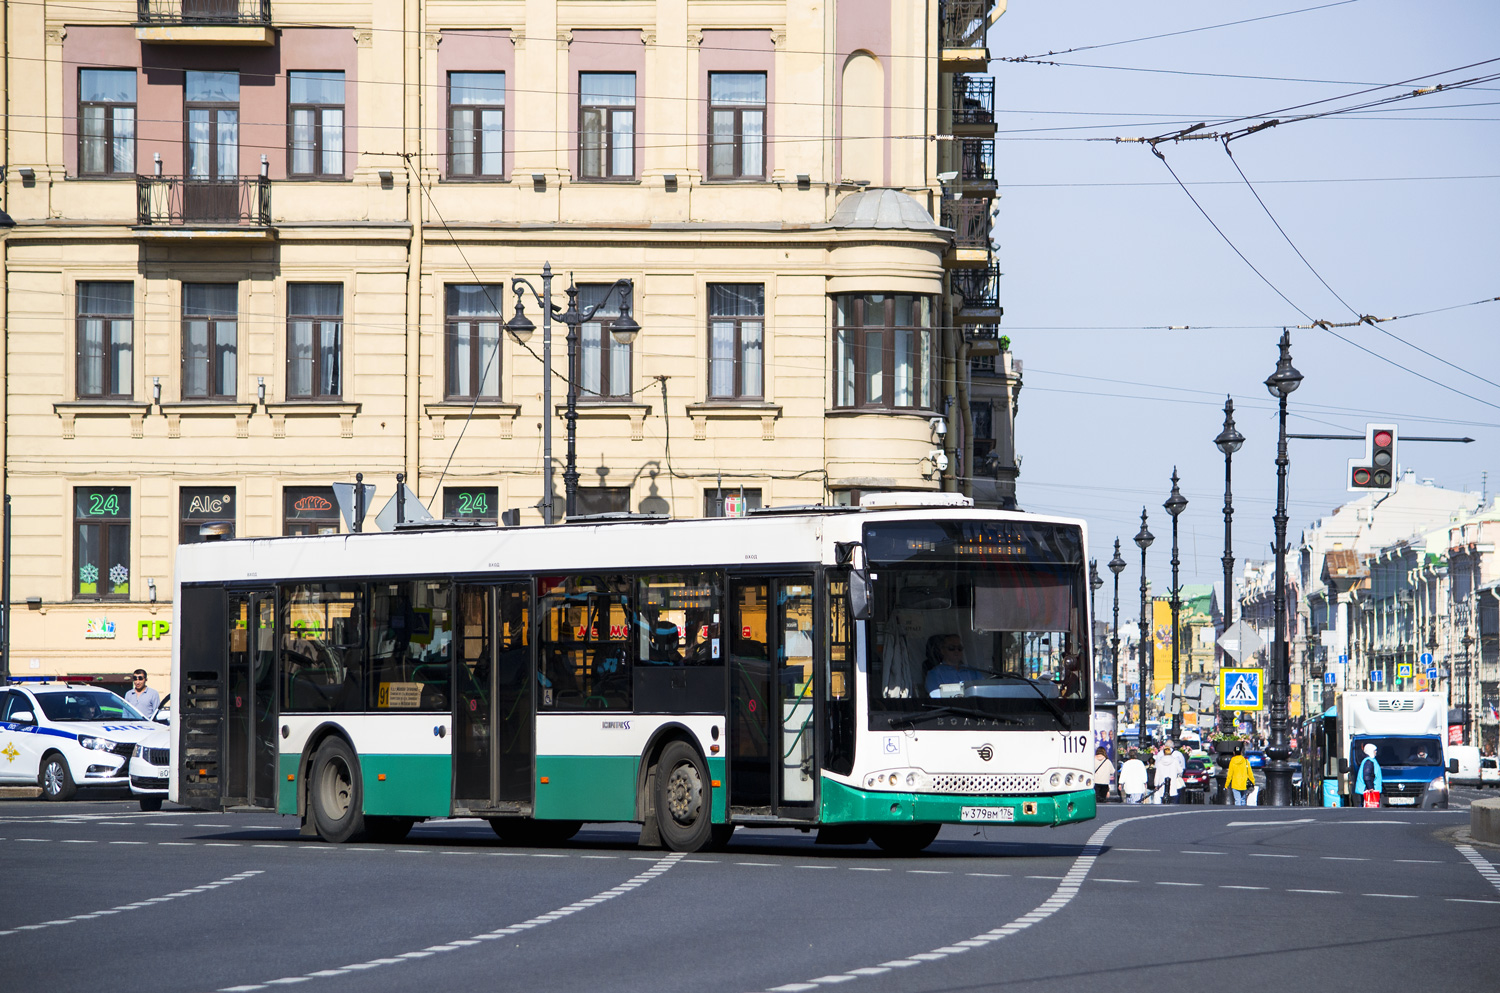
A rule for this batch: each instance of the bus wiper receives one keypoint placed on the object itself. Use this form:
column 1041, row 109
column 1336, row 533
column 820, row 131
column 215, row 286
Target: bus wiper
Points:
column 922, row 718
column 1062, row 720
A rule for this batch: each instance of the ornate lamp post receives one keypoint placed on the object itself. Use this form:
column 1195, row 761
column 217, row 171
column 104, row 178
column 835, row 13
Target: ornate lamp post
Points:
column 1228, row 442
column 1095, row 581
column 1116, row 566
column 1281, row 383
column 623, row 327
column 1468, row 642
column 1175, row 505
column 1143, row 538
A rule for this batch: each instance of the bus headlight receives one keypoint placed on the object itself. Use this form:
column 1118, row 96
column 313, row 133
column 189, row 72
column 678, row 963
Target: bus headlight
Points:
column 1055, row 780
column 885, row 779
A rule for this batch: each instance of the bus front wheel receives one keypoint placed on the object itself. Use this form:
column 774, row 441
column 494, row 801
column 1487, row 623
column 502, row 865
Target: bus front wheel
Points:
column 683, row 815
column 904, row 839
column 337, row 799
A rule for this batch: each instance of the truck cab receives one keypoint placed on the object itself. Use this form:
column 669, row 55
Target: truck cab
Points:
column 1411, row 768
column 1408, row 732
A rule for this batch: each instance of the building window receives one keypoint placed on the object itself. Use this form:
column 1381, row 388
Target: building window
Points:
column 471, row 503
column 309, row 510
column 736, row 340
column 106, row 122
column 476, row 124
column 315, row 341
column 883, row 351
column 106, row 340
column 201, row 505
column 210, row 331
column 603, row 371
column 736, row 125
column 472, row 336
column 102, row 550
column 730, row 503
column 315, row 139
column 603, row 500
column 606, row 125
column 213, row 125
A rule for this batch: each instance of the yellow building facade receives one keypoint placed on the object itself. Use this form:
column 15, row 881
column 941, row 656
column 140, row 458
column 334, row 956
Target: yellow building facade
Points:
column 262, row 246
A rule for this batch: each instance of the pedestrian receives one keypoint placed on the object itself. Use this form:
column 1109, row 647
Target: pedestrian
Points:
column 1169, row 769
column 1368, row 783
column 1239, row 777
column 142, row 697
column 1133, row 778
column 1104, row 774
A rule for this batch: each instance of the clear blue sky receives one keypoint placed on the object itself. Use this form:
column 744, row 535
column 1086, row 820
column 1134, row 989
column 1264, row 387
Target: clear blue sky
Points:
column 1395, row 207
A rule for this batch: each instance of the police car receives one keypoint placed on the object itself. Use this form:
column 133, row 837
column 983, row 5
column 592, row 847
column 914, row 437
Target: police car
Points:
column 60, row 737
column 151, row 765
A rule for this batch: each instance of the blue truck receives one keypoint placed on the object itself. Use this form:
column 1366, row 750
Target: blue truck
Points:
column 1409, row 731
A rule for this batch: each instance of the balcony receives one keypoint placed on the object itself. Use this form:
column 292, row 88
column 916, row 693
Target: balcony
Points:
column 984, row 343
column 204, row 22
column 962, row 29
column 976, row 164
column 973, row 104
column 980, row 291
column 970, row 221
column 178, row 207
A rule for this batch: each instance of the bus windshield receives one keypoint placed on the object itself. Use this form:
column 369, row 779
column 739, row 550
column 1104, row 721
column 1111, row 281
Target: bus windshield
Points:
column 977, row 625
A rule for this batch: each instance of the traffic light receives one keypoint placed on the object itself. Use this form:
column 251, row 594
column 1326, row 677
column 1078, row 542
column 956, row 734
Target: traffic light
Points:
column 1377, row 470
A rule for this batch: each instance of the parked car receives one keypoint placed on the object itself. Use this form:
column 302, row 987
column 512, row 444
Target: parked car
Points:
column 150, row 766
column 1489, row 771
column 1463, row 766
column 60, row 736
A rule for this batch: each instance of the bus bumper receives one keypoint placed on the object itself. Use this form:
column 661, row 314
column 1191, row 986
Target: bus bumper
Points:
column 847, row 804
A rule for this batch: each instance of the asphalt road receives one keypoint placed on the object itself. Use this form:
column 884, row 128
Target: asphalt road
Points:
column 100, row 896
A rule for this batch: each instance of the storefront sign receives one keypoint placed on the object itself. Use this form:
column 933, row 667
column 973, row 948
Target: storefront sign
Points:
column 98, row 627
column 152, row 630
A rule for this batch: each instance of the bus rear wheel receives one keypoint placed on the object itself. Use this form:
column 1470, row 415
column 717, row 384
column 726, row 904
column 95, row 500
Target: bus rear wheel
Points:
column 337, row 794
column 683, row 816
column 904, row 839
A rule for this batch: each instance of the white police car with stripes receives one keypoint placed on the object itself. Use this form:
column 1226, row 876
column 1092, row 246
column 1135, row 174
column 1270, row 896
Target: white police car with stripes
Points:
column 60, row 737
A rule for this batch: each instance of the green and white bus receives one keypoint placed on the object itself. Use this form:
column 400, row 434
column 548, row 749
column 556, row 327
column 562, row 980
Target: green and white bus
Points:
column 869, row 673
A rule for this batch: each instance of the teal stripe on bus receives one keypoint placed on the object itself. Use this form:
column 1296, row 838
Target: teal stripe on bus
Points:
column 586, row 787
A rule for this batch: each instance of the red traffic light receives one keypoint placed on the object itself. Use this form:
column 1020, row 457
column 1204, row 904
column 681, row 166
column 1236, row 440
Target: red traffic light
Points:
column 1382, row 439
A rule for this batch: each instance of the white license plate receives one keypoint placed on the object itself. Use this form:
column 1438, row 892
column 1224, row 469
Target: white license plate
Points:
column 1401, row 801
column 987, row 814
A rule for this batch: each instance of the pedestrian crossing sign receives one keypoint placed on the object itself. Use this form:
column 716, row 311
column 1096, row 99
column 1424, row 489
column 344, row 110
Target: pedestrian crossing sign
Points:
column 1403, row 670
column 1241, row 689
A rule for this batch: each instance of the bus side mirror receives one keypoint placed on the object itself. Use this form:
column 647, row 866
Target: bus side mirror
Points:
column 1453, row 765
column 859, row 594
column 1343, row 765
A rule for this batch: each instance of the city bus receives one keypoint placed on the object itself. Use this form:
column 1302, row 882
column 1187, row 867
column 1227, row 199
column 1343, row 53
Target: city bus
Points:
column 868, row 674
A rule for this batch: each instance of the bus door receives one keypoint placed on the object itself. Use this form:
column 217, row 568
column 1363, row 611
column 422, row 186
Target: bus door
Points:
column 494, row 740
column 771, row 696
column 250, row 748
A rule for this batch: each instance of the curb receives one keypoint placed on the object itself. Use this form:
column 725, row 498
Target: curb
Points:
column 20, row 792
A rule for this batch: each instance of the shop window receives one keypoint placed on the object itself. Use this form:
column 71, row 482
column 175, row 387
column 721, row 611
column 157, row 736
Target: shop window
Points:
column 603, row 500
column 471, row 503
column 731, row 502
column 101, row 554
column 200, row 505
column 309, row 510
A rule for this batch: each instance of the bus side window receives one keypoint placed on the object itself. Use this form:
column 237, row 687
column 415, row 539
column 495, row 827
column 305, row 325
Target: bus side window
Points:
column 322, row 652
column 587, row 643
column 410, row 640
column 838, row 688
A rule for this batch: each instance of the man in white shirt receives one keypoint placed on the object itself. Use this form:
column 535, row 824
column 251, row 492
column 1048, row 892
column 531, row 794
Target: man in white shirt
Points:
column 1133, row 778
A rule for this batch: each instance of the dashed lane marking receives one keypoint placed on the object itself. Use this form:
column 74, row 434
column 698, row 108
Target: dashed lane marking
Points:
column 1391, row 896
column 153, row 901
column 659, row 866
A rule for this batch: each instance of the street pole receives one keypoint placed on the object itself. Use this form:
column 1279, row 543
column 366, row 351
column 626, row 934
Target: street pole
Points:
column 1175, row 505
column 5, row 601
column 1116, row 566
column 622, row 327
column 1228, row 442
column 1278, row 770
column 1143, row 539
column 1095, row 581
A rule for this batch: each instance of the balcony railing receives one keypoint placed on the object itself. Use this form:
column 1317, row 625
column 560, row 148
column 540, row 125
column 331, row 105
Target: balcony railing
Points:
column 964, row 23
column 973, row 99
column 977, row 160
column 253, row 13
column 970, row 221
column 177, row 200
column 980, row 288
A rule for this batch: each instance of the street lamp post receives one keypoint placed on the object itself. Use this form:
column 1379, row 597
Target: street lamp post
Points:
column 622, row 327
column 1228, row 442
column 1116, row 566
column 1278, row 770
column 1143, row 538
column 1467, row 642
column 1095, row 581
column 1175, row 505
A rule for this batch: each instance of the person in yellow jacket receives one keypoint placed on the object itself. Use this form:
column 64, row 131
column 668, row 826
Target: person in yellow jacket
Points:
column 1240, row 777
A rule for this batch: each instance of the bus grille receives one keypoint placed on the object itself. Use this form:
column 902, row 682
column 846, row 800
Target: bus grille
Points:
column 986, row 785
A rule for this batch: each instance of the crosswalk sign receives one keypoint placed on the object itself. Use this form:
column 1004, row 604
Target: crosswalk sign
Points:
column 1241, row 689
column 1403, row 670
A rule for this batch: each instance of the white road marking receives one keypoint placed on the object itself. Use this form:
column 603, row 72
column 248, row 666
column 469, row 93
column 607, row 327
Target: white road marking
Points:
column 1330, row 892
column 1392, row 896
column 661, row 865
column 1166, row 883
column 237, row 877
column 1231, row 886
column 1343, row 858
column 1205, row 853
column 1300, row 820
column 1270, row 855
column 1481, row 865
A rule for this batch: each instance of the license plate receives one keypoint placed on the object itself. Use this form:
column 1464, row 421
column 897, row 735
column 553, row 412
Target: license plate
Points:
column 1401, row 801
column 987, row 814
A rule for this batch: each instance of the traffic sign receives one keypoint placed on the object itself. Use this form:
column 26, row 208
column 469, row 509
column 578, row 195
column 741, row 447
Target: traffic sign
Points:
column 1432, row 672
column 1240, row 641
column 1343, row 659
column 1427, row 658
column 1377, row 676
column 1240, row 689
column 1331, row 678
column 1403, row 670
